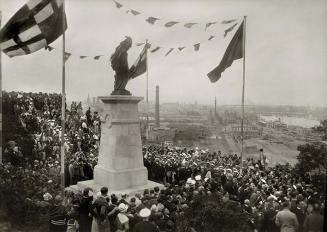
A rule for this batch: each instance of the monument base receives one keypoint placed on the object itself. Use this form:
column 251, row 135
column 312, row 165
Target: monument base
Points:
column 130, row 191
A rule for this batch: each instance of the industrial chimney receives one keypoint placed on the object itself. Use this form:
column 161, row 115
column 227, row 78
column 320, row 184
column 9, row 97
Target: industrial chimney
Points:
column 157, row 107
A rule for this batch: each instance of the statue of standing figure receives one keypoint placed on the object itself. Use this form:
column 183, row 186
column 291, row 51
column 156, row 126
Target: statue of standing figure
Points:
column 119, row 64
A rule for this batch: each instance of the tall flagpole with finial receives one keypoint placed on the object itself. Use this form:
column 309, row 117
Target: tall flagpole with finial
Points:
column 63, row 102
column 147, row 92
column 0, row 98
column 243, row 87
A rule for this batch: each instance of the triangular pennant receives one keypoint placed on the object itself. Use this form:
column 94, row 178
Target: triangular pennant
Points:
column 134, row 12
column 211, row 37
column 209, row 24
column 97, row 57
column 189, row 25
column 196, row 47
column 229, row 29
column 228, row 21
column 151, row 20
column 170, row 50
column 118, row 5
column 156, row 49
column 82, row 57
column 139, row 44
column 171, row 23
column 181, row 48
column 67, row 55
column 49, row 48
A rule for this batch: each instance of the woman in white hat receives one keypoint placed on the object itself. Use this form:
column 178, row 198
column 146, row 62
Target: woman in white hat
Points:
column 145, row 225
column 122, row 221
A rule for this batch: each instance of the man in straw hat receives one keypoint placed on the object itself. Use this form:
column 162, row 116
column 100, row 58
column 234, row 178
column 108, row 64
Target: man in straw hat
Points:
column 145, row 225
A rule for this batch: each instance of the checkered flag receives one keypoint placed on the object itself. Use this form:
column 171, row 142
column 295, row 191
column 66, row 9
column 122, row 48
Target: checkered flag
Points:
column 34, row 26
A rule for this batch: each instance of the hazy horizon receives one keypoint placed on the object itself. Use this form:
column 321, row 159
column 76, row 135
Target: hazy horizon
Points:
column 286, row 52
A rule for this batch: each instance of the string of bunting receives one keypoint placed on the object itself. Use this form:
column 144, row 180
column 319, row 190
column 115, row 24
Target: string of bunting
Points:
column 153, row 49
column 170, row 23
column 230, row 25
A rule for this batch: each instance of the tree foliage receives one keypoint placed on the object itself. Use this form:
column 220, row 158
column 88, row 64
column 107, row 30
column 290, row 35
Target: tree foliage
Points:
column 322, row 129
column 312, row 156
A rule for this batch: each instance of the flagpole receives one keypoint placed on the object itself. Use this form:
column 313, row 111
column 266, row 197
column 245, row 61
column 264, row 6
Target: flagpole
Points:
column 243, row 87
column 0, row 97
column 147, row 91
column 63, row 103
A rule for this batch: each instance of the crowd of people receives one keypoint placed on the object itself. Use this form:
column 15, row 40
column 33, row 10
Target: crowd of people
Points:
column 274, row 198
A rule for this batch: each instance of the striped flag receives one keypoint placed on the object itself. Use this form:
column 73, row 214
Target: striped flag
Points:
column 139, row 67
column 35, row 25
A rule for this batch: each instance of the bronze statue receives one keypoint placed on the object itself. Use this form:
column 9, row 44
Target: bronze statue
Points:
column 119, row 64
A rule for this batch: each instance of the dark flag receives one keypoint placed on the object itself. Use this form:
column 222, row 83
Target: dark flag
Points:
column 209, row 24
column 228, row 21
column 181, row 48
column 82, row 57
column 139, row 67
column 196, row 47
column 211, row 37
column 139, row 44
column 35, row 25
column 67, row 55
column 97, row 57
column 151, row 20
column 189, row 25
column 118, row 5
column 229, row 29
column 170, row 24
column 233, row 52
column 170, row 50
column 155, row 49
column 134, row 12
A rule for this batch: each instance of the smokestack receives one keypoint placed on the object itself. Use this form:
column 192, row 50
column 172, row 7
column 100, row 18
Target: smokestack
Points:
column 157, row 107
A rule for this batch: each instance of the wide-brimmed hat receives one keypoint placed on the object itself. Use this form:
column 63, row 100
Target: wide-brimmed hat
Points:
column 122, row 207
column 144, row 213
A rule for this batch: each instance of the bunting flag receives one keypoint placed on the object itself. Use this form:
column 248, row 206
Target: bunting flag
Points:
column 181, row 48
column 156, row 49
column 196, row 47
column 171, row 23
column 82, row 57
column 170, row 50
column 134, row 12
column 189, row 25
column 97, row 57
column 233, row 52
column 211, row 37
column 209, row 24
column 139, row 67
column 229, row 29
column 151, row 20
column 35, row 25
column 228, row 21
column 118, row 5
column 67, row 55
column 139, row 44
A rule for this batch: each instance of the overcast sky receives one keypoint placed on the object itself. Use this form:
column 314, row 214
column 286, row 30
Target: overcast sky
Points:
column 286, row 51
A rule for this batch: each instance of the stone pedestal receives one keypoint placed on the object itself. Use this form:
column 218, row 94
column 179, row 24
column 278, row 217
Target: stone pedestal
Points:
column 120, row 164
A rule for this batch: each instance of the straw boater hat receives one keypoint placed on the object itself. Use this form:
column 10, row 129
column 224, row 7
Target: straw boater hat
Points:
column 144, row 213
